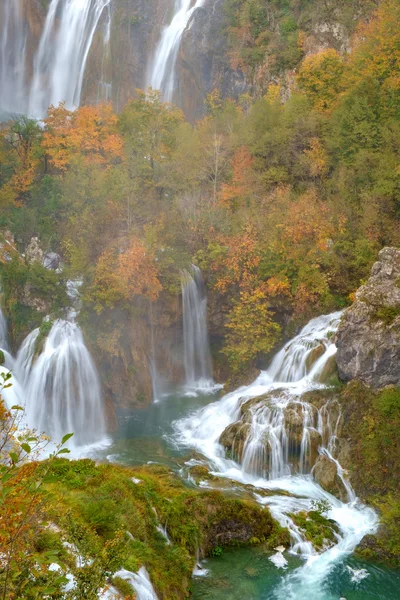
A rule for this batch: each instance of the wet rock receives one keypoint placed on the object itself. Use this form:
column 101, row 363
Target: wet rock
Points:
column 329, row 371
column 314, row 355
column 234, row 438
column 52, row 261
column 368, row 338
column 325, row 473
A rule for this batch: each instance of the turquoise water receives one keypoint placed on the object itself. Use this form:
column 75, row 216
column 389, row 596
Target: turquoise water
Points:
column 248, row 574
column 241, row 574
column 144, row 435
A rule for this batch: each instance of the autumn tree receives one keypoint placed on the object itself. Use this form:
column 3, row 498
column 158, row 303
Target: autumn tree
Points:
column 320, row 76
column 88, row 134
column 20, row 158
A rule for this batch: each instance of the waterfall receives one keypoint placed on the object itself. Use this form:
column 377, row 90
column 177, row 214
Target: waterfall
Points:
column 13, row 37
column 58, row 386
column 140, row 582
column 197, row 357
column 162, row 70
column 59, row 63
column 283, row 435
column 62, row 389
column 3, row 332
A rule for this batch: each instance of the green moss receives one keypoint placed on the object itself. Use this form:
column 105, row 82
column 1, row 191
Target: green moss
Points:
column 375, row 461
column 201, row 473
column 92, row 502
column 44, row 331
column 387, row 314
column 124, row 587
column 319, row 530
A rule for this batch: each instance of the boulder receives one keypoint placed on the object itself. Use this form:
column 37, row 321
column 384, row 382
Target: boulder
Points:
column 325, row 473
column 234, row 437
column 368, row 338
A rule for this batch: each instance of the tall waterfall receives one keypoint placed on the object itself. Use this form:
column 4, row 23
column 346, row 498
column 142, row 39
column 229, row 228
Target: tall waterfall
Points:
column 197, row 357
column 13, row 37
column 162, row 70
column 277, row 434
column 59, row 63
column 59, row 386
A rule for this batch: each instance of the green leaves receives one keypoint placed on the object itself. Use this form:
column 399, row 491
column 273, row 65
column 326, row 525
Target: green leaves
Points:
column 66, row 437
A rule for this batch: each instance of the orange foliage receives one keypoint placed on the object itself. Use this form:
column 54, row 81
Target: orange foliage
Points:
column 242, row 164
column 137, row 272
column 132, row 273
column 89, row 132
column 317, row 158
column 377, row 54
column 309, row 224
column 242, row 260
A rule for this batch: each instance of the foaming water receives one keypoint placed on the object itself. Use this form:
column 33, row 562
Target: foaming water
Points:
column 267, row 461
column 162, row 70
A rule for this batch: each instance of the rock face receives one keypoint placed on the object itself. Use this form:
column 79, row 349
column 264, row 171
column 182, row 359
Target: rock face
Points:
column 368, row 338
column 203, row 62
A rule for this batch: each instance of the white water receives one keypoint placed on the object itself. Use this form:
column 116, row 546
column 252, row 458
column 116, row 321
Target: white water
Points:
column 31, row 81
column 162, row 74
column 266, row 460
column 59, row 389
column 197, row 356
column 140, row 582
column 13, row 37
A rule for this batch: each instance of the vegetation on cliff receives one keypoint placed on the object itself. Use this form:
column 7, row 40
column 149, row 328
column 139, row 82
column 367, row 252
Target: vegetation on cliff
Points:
column 375, row 461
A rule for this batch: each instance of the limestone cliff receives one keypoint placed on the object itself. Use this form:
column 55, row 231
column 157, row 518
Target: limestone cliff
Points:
column 368, row 339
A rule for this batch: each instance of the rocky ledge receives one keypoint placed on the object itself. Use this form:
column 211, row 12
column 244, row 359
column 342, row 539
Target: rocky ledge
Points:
column 368, row 338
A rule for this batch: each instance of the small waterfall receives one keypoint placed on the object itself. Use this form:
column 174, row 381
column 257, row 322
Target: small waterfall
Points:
column 197, row 357
column 62, row 389
column 105, row 84
column 279, row 435
column 58, row 386
column 162, row 71
column 59, row 62
column 140, row 582
column 156, row 381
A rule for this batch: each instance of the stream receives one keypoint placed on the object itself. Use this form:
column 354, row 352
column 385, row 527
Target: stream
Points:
column 179, row 431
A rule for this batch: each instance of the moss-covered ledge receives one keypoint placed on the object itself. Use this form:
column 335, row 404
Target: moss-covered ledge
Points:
column 90, row 503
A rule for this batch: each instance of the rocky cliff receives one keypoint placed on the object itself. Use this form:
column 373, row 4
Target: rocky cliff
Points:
column 368, row 339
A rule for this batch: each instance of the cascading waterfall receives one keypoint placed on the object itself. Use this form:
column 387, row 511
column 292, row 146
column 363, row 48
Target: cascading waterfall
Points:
column 62, row 386
column 58, row 387
column 162, row 71
column 283, row 430
column 59, row 64
column 197, row 357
